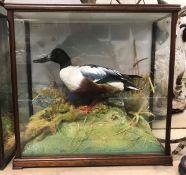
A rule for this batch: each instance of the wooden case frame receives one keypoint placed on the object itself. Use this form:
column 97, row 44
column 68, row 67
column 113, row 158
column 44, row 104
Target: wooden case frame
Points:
column 3, row 161
column 93, row 160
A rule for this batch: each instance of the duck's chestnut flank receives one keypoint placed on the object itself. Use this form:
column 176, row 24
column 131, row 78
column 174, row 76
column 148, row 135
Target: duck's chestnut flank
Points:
column 91, row 90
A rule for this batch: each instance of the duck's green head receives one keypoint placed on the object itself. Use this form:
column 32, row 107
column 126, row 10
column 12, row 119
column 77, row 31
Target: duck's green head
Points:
column 57, row 55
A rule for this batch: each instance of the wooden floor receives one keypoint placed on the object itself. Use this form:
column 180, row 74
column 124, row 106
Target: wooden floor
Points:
column 179, row 122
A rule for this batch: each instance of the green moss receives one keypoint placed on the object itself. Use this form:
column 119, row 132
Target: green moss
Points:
column 100, row 134
column 8, row 133
column 104, row 130
column 7, row 123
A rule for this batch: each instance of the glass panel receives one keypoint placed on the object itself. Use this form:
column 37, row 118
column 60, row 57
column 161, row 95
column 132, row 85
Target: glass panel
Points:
column 73, row 17
column 2, row 11
column 101, row 103
column 178, row 119
column 162, row 56
column 6, row 91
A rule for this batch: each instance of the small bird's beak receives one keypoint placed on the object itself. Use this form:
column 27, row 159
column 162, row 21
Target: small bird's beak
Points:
column 182, row 25
column 43, row 60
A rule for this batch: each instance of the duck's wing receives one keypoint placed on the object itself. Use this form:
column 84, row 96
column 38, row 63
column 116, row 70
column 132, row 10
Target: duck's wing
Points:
column 101, row 75
column 95, row 73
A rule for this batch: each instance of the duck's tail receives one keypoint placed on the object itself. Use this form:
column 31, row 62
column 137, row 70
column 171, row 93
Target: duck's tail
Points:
column 129, row 86
column 128, row 82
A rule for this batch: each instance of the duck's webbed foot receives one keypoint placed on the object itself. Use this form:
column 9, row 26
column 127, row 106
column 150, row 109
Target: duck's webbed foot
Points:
column 88, row 108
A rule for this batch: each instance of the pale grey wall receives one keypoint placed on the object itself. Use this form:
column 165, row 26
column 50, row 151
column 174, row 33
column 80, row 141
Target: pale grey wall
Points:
column 110, row 45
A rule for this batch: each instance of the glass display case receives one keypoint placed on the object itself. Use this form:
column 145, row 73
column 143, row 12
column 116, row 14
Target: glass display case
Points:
column 7, row 137
column 90, row 81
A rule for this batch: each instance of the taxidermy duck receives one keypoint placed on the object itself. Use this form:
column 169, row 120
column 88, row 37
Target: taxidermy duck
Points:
column 89, row 81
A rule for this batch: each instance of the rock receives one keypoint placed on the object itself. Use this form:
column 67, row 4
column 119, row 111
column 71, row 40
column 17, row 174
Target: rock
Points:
column 178, row 105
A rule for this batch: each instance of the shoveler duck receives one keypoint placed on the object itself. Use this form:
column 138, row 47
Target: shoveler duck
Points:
column 89, row 81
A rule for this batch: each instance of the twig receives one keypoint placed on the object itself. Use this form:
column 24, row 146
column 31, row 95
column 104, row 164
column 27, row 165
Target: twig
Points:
column 128, row 127
column 135, row 56
column 140, row 1
column 151, row 85
column 118, row 1
column 138, row 61
column 84, row 121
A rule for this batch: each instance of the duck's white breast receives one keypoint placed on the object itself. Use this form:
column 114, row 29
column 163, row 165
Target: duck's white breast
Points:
column 71, row 77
